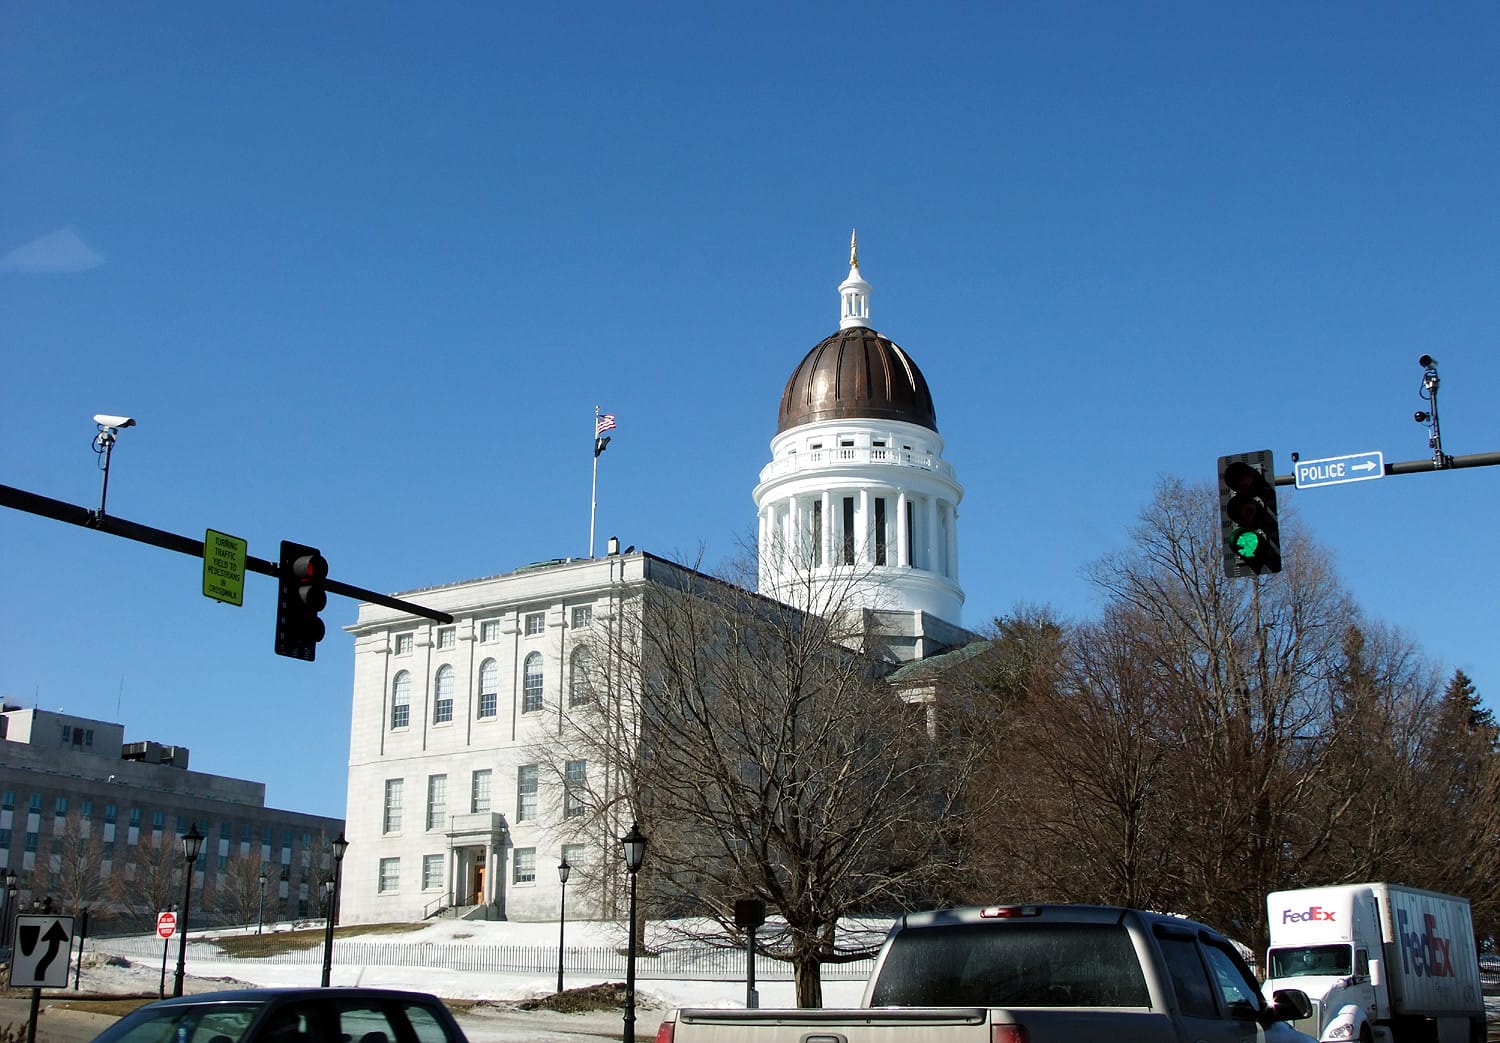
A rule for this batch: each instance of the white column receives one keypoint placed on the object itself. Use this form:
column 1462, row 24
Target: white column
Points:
column 930, row 543
column 953, row 542
column 901, row 535
column 864, row 550
column 827, row 528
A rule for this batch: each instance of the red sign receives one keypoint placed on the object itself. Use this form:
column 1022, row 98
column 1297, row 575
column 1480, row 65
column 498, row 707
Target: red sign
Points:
column 166, row 924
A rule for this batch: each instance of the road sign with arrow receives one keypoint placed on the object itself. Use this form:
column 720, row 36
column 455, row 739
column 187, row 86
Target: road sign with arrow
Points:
column 43, row 949
column 1336, row 470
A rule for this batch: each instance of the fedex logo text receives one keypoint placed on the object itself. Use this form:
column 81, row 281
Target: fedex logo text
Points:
column 1427, row 954
column 1316, row 912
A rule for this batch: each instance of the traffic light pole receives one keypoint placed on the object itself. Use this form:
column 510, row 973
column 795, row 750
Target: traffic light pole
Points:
column 1427, row 466
column 34, row 503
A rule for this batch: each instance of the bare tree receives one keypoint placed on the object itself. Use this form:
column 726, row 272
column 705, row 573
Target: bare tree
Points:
column 240, row 890
column 766, row 756
column 151, row 878
column 75, row 875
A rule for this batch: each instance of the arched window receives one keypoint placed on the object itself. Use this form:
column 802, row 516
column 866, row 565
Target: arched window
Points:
column 489, row 684
column 531, row 684
column 581, row 678
column 401, row 700
column 442, row 696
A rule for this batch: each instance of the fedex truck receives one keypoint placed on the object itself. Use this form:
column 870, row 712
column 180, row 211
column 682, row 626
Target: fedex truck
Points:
column 1381, row 963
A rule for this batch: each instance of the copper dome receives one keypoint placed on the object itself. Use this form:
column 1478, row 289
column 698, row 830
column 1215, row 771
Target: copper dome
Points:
column 856, row 374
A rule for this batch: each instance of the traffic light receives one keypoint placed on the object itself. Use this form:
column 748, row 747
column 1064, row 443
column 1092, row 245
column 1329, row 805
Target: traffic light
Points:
column 1247, row 514
column 299, row 599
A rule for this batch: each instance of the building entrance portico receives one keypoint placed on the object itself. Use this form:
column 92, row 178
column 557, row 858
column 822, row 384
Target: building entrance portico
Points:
column 476, row 844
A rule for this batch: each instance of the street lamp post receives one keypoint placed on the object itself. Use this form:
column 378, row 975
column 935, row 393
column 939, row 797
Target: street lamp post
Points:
column 8, row 908
column 340, row 845
column 192, row 844
column 260, row 910
column 83, row 933
column 634, row 844
column 563, row 871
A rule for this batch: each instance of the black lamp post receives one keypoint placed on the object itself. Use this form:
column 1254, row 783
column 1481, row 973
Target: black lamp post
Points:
column 260, row 910
column 634, row 844
column 83, row 933
column 192, row 844
column 331, row 888
column 8, row 908
column 563, row 871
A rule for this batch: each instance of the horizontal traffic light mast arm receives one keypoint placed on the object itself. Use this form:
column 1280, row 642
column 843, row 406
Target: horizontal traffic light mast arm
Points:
column 34, row 503
column 1426, row 466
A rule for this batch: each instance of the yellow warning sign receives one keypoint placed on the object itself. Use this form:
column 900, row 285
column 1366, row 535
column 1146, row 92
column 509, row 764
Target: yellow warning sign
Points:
column 224, row 567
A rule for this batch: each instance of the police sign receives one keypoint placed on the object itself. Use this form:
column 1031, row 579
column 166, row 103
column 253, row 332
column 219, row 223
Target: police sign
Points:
column 1336, row 470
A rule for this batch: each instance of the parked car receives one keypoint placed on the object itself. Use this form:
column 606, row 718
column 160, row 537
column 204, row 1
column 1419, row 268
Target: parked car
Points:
column 290, row 1016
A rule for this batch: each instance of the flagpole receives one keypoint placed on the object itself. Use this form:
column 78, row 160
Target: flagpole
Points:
column 594, row 488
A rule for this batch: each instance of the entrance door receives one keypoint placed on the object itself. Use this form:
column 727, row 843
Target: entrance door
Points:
column 478, row 880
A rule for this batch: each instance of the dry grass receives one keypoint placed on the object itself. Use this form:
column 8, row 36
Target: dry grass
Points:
column 250, row 946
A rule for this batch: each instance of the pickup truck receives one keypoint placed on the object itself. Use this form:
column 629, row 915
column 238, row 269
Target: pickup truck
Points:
column 1032, row 974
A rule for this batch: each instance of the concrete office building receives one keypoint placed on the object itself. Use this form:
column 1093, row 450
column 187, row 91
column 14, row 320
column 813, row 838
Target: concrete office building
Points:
column 73, row 784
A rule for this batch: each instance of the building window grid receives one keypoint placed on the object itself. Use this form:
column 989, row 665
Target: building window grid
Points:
column 525, row 865
column 392, row 819
column 437, row 801
column 575, row 783
column 447, row 639
column 442, row 699
column 531, row 683
column 489, row 631
column 432, row 872
column 390, row 875
column 403, row 644
column 489, row 685
column 583, row 615
column 536, row 623
column 527, row 778
column 401, row 701
column 479, row 791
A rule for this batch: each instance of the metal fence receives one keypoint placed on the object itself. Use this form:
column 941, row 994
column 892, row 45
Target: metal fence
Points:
column 603, row 961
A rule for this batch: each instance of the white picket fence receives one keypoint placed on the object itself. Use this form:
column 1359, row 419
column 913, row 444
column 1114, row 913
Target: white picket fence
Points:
column 601, row 961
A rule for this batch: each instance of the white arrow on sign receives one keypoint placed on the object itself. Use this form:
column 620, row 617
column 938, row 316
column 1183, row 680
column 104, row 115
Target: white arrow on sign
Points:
column 44, row 946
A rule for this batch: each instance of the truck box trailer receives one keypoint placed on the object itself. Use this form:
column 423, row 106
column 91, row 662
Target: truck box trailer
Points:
column 1381, row 962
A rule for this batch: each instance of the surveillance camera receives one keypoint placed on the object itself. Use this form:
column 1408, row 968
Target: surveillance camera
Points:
column 1427, row 362
column 105, row 420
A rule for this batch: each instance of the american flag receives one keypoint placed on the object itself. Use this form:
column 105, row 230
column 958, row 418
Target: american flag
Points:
column 604, row 423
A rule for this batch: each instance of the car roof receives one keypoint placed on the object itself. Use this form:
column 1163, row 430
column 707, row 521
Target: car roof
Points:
column 1033, row 912
column 264, row 995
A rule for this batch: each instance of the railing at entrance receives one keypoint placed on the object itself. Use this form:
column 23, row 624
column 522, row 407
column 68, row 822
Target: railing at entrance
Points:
column 437, row 906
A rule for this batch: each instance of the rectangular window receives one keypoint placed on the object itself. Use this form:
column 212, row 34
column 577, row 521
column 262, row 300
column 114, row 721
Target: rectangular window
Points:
column 86, row 809
column 403, row 644
column 583, row 615
column 880, row 543
column 848, row 530
column 110, row 813
column 575, row 782
column 61, row 807
column 68, row 733
column 525, row 865
column 392, row 823
column 488, row 703
column 489, row 631
column 31, row 842
column 479, row 791
column 158, row 821
column 432, row 872
column 526, row 792
column 135, row 816
column 36, row 802
column 573, row 854
column 5, row 839
column 447, row 638
column 8, row 800
column 390, row 875
column 536, row 622
column 88, row 736
column 437, row 801
column 442, row 708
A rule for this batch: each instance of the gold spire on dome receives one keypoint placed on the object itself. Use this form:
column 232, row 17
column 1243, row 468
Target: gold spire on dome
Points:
column 853, row 248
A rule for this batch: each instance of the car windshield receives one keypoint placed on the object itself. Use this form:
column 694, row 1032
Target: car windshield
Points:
column 1312, row 961
column 184, row 1023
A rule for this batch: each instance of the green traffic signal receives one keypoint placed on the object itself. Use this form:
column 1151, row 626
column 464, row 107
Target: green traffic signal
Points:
column 1247, row 514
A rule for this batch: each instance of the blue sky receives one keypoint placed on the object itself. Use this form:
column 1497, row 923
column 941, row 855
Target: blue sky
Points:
column 362, row 273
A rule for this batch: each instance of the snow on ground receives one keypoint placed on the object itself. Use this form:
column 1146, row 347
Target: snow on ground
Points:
column 485, row 1025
